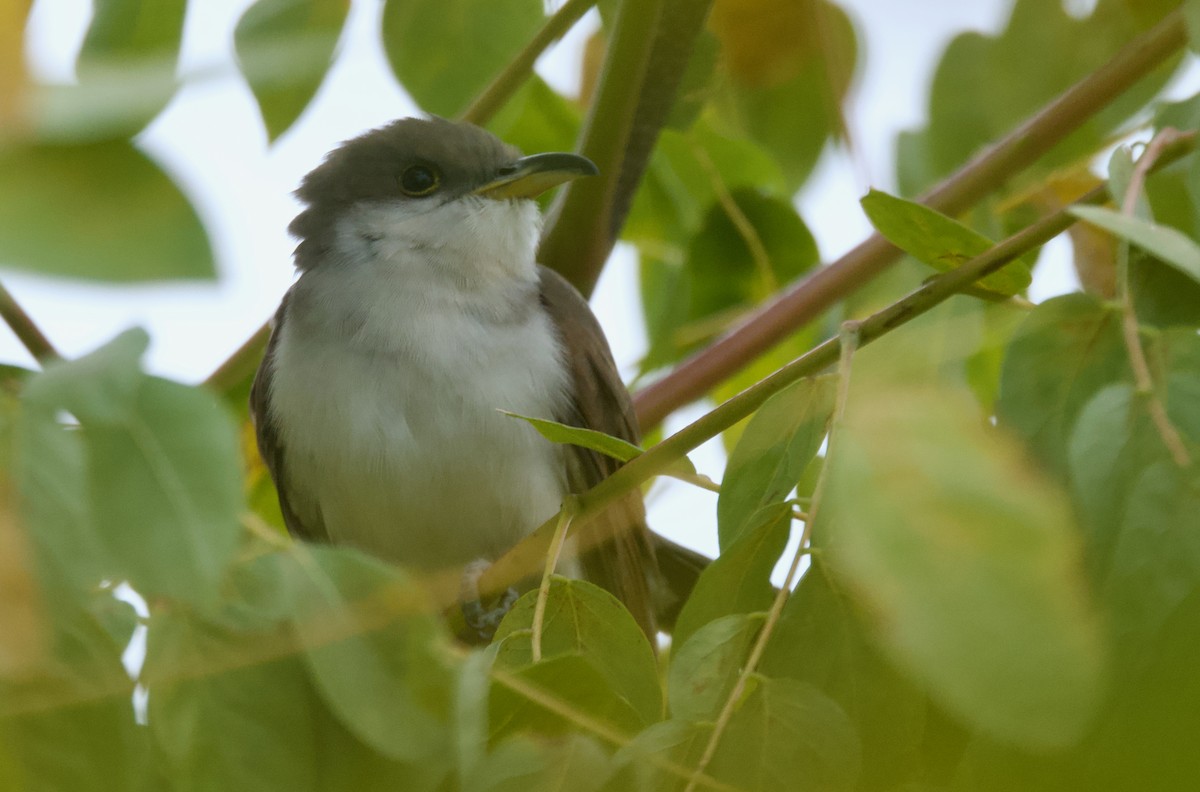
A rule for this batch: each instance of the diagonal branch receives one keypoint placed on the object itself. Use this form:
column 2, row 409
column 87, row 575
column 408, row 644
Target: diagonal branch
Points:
column 530, row 552
column 992, row 168
column 25, row 329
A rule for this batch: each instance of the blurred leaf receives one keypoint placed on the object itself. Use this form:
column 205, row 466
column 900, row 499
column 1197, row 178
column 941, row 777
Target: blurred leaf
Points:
column 521, row 764
column 574, row 683
column 122, row 30
column 1166, row 243
column 1191, row 12
column 939, row 241
column 704, row 669
column 220, row 721
column 788, row 736
column 1065, row 350
column 131, row 41
column 677, row 741
column 969, row 564
column 69, row 723
column 161, row 467
column 787, row 68
column 584, row 619
column 739, row 580
column 822, row 639
column 777, row 445
column 985, row 85
column 101, row 211
column 373, row 650
column 444, row 52
column 284, row 49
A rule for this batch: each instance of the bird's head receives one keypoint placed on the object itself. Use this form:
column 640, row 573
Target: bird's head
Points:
column 432, row 186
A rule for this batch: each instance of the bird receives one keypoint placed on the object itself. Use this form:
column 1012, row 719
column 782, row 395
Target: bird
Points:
column 420, row 312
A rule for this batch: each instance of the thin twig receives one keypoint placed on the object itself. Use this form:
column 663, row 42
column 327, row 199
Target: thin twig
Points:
column 565, row 515
column 1129, row 325
column 24, row 328
column 741, row 223
column 849, row 341
column 993, row 168
column 514, row 75
column 597, row 727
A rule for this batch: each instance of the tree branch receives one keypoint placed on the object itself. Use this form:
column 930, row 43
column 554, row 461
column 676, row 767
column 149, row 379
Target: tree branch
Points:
column 821, row 290
column 25, row 329
column 530, row 553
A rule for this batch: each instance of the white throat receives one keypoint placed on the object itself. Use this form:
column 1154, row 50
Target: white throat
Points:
column 390, row 367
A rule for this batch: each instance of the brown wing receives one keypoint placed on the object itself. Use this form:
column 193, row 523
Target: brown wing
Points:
column 267, row 435
column 622, row 559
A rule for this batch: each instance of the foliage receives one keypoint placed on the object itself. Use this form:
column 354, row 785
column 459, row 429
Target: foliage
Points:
column 997, row 504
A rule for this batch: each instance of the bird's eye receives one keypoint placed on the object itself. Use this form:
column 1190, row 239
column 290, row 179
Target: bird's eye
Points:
column 419, row 180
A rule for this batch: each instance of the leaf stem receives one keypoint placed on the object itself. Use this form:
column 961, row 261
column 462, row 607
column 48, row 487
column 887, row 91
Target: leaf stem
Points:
column 986, row 172
column 514, row 75
column 848, row 344
column 565, row 515
column 1130, row 330
column 24, row 328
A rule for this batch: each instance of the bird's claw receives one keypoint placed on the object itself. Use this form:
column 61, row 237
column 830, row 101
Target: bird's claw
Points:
column 481, row 620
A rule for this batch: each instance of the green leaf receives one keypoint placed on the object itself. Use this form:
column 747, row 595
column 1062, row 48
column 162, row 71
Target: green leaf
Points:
column 1191, row 12
column 1066, row 349
column 739, row 580
column 640, row 761
column 556, row 432
column 373, row 650
column 68, row 723
column 128, row 42
column 1167, row 244
column 822, row 639
column 521, row 764
column 1156, row 557
column 777, row 445
column 969, row 563
column 100, row 211
column 939, row 241
column 575, row 684
column 161, row 464
column 788, row 736
column 284, row 49
column 445, row 52
column 786, row 69
column 985, row 85
column 582, row 618
column 221, row 722
column 704, row 669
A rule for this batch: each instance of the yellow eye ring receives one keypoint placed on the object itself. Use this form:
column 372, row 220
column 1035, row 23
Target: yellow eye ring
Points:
column 419, row 180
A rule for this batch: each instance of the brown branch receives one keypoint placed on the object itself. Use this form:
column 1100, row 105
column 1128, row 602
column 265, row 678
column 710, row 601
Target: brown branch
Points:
column 1130, row 331
column 530, row 552
column 24, row 328
column 821, row 290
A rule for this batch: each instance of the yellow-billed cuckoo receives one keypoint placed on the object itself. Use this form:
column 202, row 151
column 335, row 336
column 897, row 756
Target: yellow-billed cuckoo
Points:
column 421, row 311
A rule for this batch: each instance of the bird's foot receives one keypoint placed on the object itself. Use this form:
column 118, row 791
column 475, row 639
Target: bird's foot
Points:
column 483, row 620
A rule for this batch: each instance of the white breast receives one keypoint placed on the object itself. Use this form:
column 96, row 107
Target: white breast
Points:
column 389, row 371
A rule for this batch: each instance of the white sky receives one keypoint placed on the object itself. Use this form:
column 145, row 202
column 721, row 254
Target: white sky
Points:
column 211, row 139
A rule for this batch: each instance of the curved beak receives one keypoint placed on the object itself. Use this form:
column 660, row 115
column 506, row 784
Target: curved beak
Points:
column 529, row 177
